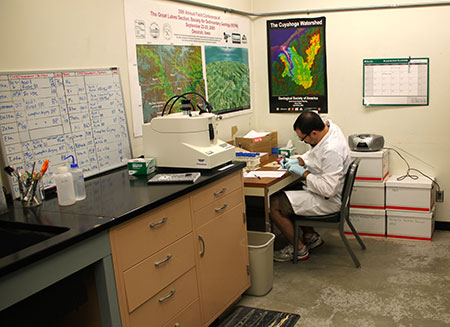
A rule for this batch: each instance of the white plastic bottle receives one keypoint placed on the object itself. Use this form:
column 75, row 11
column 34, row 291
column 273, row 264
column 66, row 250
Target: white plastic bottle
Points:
column 64, row 186
column 78, row 179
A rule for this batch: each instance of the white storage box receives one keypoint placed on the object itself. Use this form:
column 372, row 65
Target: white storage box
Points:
column 410, row 225
column 369, row 222
column 410, row 194
column 373, row 167
column 368, row 195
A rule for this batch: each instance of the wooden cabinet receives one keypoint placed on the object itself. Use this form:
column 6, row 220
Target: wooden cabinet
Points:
column 185, row 262
column 222, row 260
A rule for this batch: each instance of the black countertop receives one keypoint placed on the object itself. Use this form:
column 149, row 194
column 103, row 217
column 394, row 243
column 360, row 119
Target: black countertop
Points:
column 111, row 199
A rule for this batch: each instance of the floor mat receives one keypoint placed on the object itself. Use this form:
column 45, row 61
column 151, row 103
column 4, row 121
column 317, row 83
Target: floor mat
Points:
column 253, row 317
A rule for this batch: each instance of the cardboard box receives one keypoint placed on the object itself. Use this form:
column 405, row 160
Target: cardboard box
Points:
column 374, row 166
column 410, row 225
column 141, row 166
column 368, row 222
column 368, row 195
column 410, row 194
column 258, row 144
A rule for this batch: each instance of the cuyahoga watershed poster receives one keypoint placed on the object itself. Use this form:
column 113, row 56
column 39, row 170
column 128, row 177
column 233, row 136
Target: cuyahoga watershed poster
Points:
column 297, row 65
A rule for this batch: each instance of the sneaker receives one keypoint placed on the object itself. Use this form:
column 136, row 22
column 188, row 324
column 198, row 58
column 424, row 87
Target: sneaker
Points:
column 313, row 242
column 287, row 253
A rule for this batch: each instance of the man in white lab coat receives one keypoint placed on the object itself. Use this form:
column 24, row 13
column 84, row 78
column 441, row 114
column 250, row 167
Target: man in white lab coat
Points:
column 323, row 169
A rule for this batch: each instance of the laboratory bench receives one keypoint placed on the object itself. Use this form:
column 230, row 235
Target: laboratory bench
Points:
column 114, row 232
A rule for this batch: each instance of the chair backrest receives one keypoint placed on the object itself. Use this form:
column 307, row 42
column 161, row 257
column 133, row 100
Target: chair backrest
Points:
column 348, row 187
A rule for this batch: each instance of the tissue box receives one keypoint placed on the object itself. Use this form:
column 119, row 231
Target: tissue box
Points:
column 258, row 144
column 286, row 152
column 141, row 166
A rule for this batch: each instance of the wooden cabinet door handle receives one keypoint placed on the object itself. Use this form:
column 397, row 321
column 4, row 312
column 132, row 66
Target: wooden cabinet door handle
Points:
column 165, row 298
column 162, row 221
column 222, row 207
column 220, row 192
column 163, row 261
column 202, row 252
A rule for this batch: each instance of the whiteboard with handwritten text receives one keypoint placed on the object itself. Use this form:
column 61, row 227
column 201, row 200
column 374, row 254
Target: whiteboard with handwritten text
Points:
column 50, row 115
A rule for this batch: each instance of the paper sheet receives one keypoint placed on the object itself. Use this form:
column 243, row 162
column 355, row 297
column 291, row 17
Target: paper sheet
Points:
column 253, row 134
column 265, row 173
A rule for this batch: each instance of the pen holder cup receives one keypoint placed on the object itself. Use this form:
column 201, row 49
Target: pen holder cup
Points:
column 33, row 195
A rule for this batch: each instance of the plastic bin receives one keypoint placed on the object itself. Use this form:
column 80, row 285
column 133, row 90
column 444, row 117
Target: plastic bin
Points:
column 260, row 252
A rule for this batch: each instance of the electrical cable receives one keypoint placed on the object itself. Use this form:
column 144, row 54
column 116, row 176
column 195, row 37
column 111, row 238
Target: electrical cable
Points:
column 414, row 177
column 175, row 98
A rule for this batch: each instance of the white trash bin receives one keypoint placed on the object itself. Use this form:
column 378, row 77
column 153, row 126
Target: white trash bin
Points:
column 260, row 252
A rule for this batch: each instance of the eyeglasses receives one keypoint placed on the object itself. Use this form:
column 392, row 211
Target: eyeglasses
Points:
column 304, row 137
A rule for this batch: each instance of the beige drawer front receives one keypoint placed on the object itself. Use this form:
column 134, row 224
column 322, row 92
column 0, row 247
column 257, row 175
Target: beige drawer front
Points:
column 190, row 317
column 136, row 240
column 217, row 208
column 149, row 276
column 216, row 191
column 167, row 303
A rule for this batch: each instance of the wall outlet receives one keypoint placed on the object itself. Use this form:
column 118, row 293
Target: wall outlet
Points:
column 439, row 196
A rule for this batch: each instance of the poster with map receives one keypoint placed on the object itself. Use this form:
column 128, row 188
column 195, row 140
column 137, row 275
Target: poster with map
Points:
column 227, row 74
column 297, row 65
column 177, row 48
column 167, row 70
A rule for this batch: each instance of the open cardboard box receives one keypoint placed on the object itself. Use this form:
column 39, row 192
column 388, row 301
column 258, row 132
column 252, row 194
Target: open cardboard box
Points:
column 258, row 144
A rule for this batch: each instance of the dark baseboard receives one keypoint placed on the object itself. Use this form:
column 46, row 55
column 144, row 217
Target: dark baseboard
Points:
column 442, row 225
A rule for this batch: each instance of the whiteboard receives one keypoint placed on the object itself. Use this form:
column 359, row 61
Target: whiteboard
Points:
column 396, row 82
column 53, row 114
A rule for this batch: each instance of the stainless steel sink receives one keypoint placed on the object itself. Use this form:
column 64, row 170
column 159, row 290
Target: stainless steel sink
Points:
column 16, row 236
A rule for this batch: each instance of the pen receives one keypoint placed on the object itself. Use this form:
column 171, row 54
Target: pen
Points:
column 258, row 177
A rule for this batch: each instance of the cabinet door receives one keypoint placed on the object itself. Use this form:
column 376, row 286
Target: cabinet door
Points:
column 222, row 262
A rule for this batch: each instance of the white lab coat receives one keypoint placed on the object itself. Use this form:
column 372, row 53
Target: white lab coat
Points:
column 327, row 163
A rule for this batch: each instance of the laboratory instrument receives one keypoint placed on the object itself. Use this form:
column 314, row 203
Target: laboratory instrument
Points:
column 186, row 139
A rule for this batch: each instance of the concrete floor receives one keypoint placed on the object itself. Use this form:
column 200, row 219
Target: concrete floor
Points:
column 400, row 283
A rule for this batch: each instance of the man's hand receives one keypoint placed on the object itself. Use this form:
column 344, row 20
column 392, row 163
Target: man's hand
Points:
column 297, row 169
column 286, row 163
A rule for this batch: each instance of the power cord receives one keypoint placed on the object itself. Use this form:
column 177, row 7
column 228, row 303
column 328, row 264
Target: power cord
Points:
column 414, row 177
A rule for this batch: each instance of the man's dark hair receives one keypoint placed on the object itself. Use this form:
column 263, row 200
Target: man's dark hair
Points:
column 309, row 121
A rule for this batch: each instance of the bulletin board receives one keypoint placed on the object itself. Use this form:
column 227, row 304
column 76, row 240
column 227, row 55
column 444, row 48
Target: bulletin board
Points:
column 396, row 82
column 53, row 114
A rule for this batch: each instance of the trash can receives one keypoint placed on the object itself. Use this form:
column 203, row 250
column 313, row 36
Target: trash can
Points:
column 260, row 252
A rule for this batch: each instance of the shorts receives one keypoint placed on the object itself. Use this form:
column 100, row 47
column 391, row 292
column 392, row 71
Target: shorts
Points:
column 285, row 205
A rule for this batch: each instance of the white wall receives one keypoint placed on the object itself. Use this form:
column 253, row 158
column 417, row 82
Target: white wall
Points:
column 68, row 34
column 352, row 37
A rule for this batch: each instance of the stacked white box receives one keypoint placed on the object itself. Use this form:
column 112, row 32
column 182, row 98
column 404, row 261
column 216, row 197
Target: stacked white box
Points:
column 373, row 167
column 368, row 195
column 368, row 200
column 416, row 195
column 370, row 222
column 410, row 225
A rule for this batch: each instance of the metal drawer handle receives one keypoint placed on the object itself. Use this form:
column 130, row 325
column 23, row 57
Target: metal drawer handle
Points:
column 162, row 221
column 220, row 192
column 202, row 253
column 163, row 261
column 172, row 292
column 222, row 207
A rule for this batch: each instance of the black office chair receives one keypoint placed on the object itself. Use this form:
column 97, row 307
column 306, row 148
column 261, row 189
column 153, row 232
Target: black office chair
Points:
column 335, row 220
